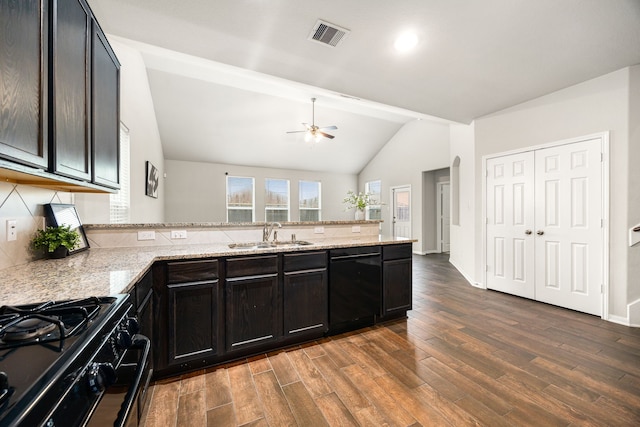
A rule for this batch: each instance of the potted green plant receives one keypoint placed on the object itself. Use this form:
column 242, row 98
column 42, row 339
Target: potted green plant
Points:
column 359, row 202
column 56, row 242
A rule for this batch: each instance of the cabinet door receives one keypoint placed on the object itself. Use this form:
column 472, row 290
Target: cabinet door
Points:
column 252, row 311
column 105, row 112
column 23, row 82
column 305, row 297
column 396, row 285
column 71, row 143
column 193, row 309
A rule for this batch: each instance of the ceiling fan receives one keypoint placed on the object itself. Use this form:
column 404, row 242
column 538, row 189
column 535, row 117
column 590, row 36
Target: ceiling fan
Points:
column 314, row 132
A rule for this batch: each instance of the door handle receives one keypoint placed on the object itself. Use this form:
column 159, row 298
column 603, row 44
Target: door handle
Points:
column 527, row 232
column 539, row 232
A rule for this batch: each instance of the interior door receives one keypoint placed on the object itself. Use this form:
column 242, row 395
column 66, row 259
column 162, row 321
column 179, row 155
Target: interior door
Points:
column 569, row 242
column 510, row 221
column 401, row 198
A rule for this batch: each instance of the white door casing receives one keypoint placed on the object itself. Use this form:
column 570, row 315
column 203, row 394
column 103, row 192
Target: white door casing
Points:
column 443, row 224
column 545, row 213
column 569, row 246
column 401, row 211
column 510, row 221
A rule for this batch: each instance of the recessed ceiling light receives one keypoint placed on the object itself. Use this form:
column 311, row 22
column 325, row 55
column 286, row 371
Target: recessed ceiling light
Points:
column 406, row 41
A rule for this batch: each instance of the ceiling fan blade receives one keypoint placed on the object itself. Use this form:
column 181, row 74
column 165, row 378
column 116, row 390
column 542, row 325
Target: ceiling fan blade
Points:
column 296, row 131
column 307, row 125
column 329, row 128
column 326, row 135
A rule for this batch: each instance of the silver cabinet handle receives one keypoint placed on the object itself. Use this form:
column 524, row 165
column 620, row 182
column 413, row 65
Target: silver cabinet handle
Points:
column 539, row 232
column 527, row 232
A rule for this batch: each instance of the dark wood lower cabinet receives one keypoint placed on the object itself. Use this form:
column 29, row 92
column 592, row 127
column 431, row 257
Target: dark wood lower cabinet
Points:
column 214, row 310
column 252, row 302
column 189, row 317
column 396, row 280
column 305, row 295
column 192, row 320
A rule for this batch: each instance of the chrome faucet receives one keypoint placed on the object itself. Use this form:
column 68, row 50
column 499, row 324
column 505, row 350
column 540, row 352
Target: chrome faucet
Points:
column 268, row 228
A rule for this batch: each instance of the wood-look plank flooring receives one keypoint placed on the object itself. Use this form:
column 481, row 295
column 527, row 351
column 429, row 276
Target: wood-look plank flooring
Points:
column 464, row 356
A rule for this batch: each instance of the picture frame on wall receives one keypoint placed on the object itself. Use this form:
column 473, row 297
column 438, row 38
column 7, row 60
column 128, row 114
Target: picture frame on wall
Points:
column 153, row 180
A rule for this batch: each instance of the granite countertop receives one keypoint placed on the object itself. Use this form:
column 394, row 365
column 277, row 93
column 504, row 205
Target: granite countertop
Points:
column 108, row 271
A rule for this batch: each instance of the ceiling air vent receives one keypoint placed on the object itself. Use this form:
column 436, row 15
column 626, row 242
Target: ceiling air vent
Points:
column 328, row 34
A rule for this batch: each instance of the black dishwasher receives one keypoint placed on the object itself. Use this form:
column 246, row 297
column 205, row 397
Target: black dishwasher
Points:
column 355, row 288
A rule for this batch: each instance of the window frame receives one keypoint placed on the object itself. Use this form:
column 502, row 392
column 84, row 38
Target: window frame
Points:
column 253, row 197
column 378, row 206
column 302, row 208
column 267, row 207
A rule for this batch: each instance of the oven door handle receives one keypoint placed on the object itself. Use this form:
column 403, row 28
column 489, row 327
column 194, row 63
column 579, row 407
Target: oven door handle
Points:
column 139, row 342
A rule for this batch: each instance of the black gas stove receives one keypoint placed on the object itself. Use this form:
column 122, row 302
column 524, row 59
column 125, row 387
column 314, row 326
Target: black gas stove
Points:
column 60, row 359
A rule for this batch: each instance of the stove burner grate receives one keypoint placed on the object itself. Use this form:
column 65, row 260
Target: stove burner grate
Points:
column 31, row 324
column 27, row 329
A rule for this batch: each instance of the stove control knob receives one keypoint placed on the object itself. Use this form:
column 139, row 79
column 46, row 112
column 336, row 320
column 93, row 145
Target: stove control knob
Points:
column 132, row 325
column 100, row 376
column 123, row 340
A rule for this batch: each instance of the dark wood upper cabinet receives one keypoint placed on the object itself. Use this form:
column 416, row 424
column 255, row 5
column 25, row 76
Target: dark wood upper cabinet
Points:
column 59, row 96
column 105, row 134
column 23, row 82
column 70, row 49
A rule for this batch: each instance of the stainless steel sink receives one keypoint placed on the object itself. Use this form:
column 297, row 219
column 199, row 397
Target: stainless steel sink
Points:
column 266, row 245
column 293, row 243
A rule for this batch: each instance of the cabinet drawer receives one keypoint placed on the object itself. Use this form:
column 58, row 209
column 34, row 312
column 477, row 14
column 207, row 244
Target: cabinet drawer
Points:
column 252, row 266
column 305, row 261
column 361, row 250
column 390, row 252
column 192, row 271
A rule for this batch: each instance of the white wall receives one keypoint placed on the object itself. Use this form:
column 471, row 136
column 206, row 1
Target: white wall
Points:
column 463, row 249
column 196, row 192
column 137, row 113
column 600, row 104
column 417, row 147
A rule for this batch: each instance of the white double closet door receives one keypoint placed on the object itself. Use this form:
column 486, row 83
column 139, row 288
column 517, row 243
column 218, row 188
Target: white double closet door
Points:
column 544, row 230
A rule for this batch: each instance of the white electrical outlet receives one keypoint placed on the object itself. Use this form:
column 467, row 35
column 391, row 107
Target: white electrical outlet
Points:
column 12, row 230
column 147, row 235
column 318, row 230
column 178, row 234
column 355, row 229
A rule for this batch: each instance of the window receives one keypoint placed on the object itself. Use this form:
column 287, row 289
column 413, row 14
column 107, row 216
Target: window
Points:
column 120, row 202
column 309, row 201
column 373, row 188
column 240, row 199
column 276, row 199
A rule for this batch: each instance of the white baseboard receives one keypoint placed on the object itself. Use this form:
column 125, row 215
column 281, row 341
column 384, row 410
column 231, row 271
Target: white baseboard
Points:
column 633, row 314
column 464, row 274
column 618, row 319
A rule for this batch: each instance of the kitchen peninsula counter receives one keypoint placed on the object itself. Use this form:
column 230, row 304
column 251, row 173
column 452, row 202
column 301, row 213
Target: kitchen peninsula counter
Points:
column 108, row 271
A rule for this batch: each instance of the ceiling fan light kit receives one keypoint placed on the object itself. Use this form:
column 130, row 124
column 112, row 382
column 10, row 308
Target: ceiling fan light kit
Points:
column 314, row 133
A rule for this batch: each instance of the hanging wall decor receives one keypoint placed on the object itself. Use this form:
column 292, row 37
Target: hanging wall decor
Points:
column 153, row 180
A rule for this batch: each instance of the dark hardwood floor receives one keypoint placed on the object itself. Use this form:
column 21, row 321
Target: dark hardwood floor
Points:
column 464, row 356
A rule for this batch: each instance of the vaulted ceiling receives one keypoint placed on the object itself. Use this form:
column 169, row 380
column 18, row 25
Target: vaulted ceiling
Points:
column 229, row 77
